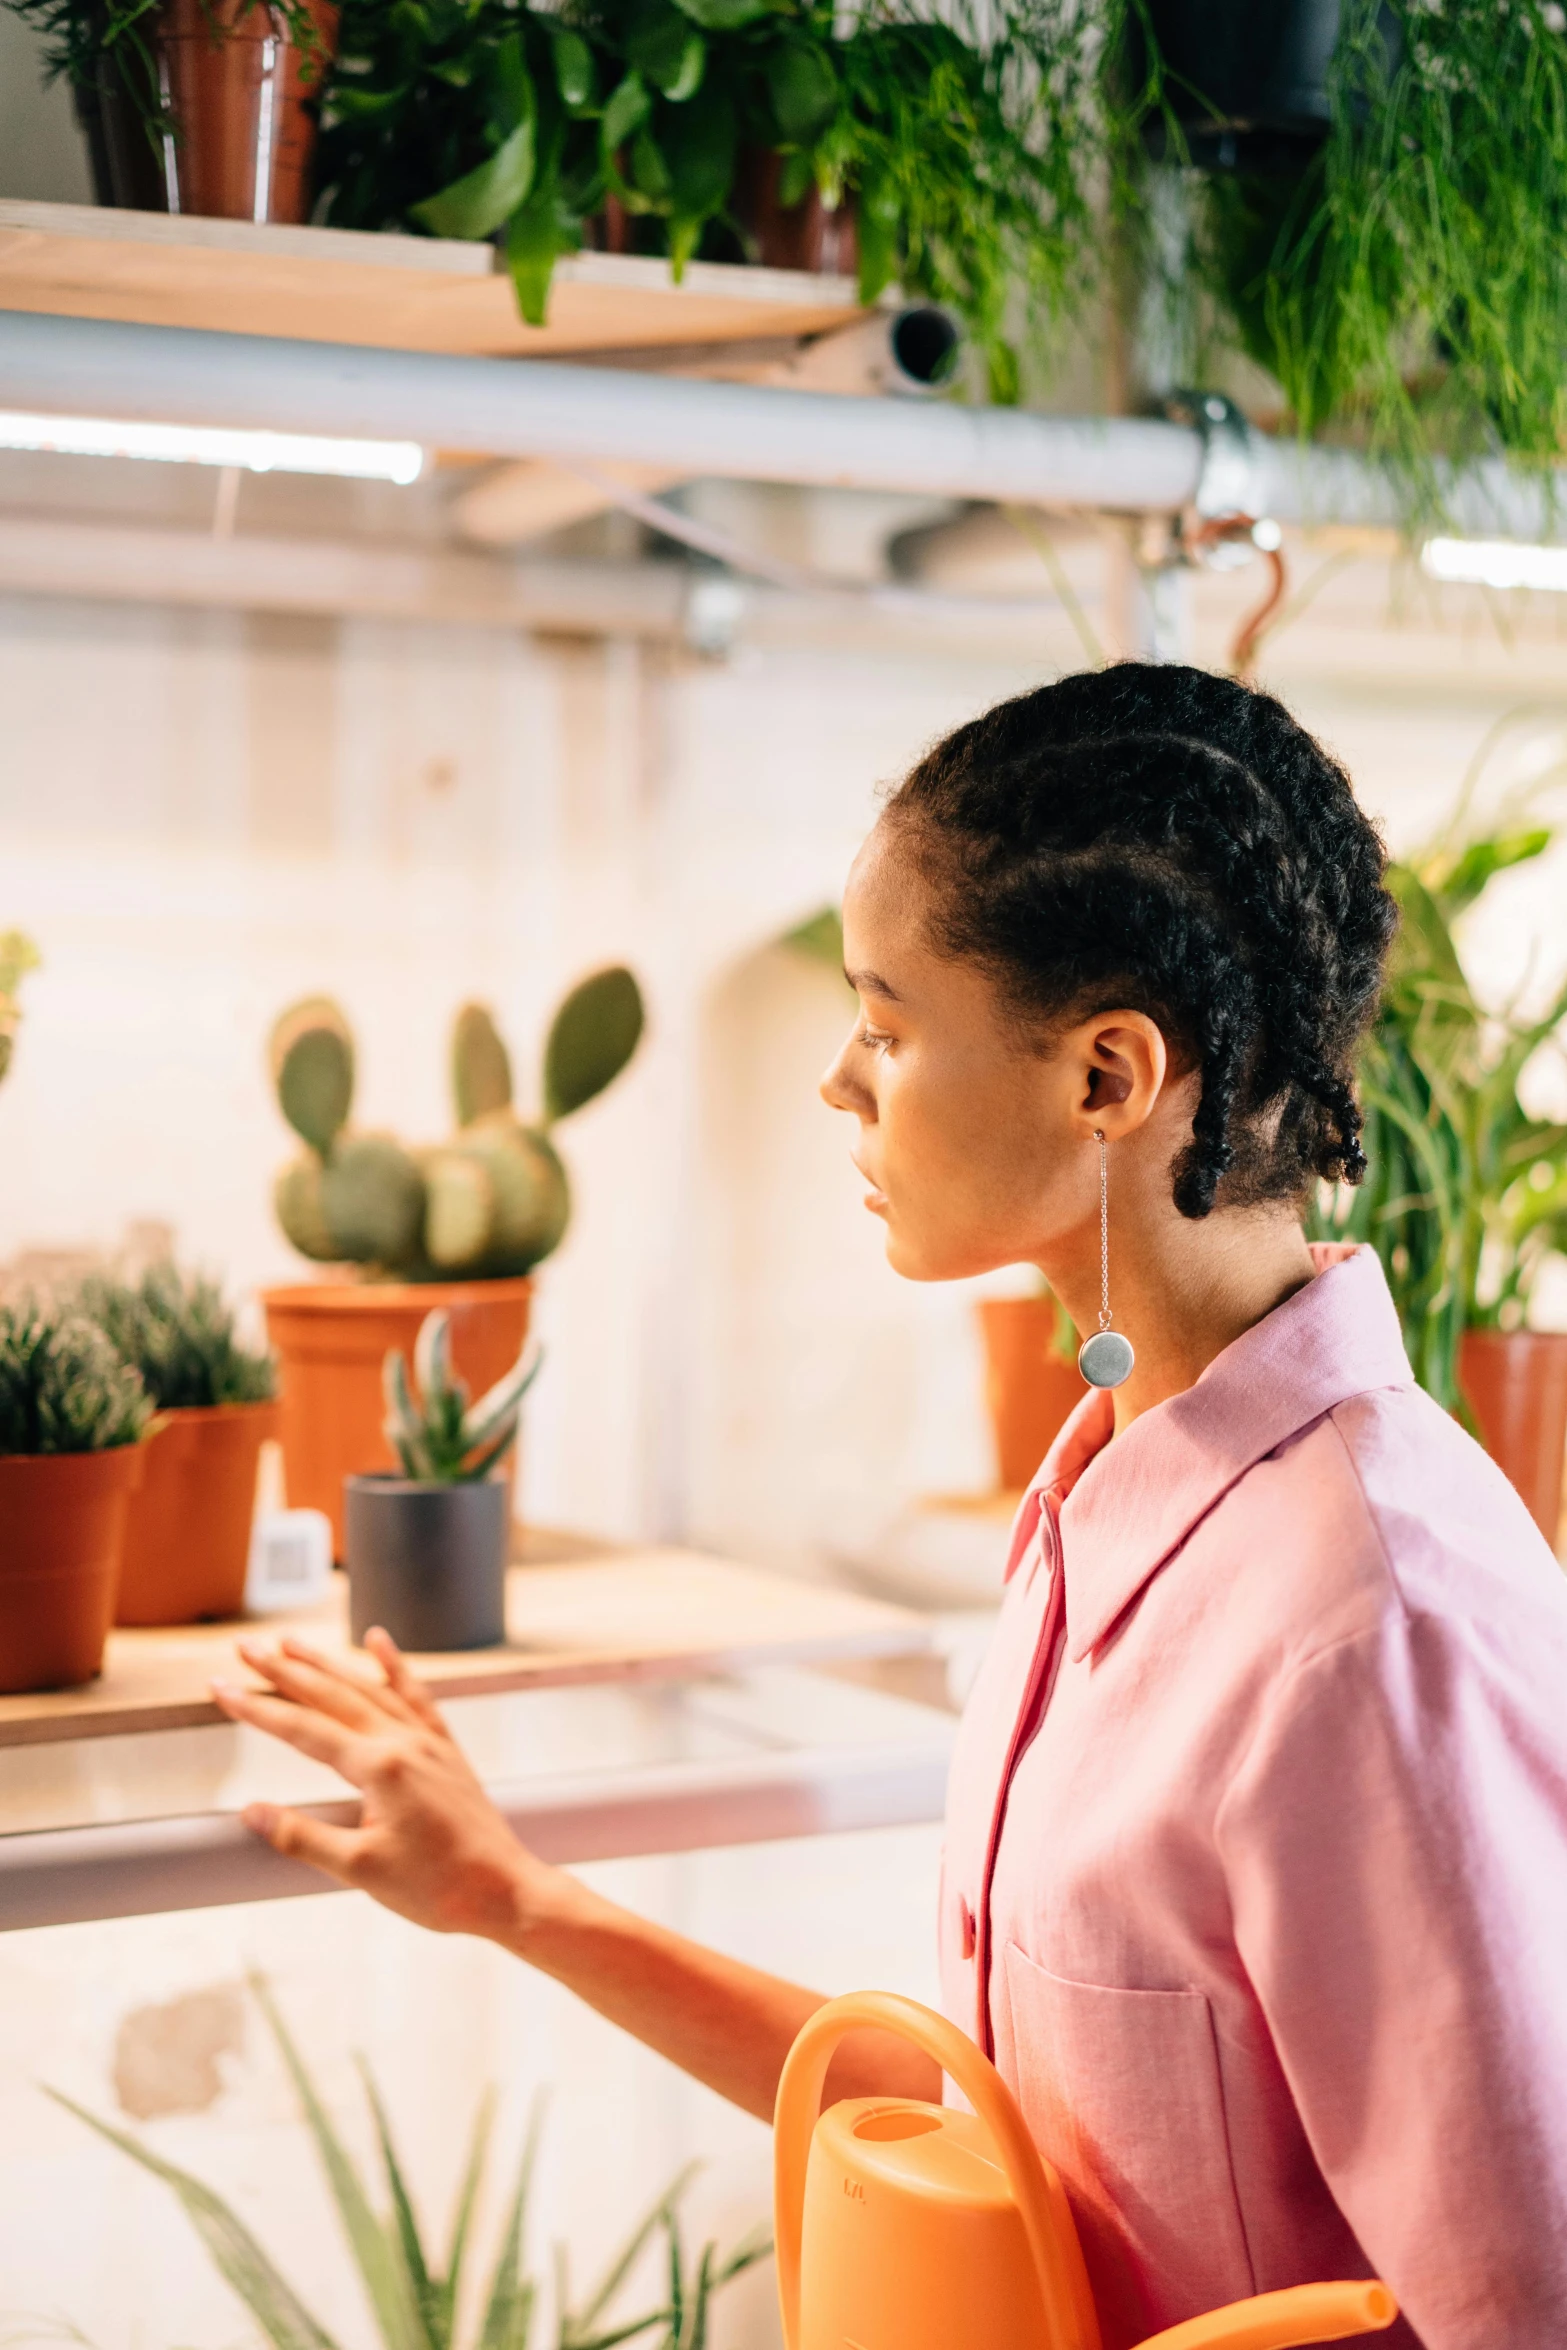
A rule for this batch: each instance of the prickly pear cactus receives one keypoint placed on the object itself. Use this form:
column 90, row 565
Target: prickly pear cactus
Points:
column 18, row 955
column 492, row 1201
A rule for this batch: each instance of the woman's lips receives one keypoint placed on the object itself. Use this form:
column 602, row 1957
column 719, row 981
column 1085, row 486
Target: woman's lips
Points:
column 875, row 1200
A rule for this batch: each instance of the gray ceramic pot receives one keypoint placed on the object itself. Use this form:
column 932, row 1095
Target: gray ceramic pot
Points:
column 427, row 1562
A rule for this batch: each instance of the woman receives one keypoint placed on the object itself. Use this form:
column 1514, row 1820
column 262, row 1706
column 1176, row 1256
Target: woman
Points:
column 1256, row 1872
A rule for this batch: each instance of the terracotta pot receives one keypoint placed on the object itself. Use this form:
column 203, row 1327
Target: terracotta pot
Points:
column 63, row 1521
column 1029, row 1389
column 187, row 1531
column 1515, row 1382
column 331, row 1338
column 241, row 91
column 797, row 236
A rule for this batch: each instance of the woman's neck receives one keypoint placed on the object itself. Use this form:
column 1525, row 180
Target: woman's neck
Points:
column 1182, row 1290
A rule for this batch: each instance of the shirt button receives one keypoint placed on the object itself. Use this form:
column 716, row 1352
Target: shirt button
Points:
column 966, row 1916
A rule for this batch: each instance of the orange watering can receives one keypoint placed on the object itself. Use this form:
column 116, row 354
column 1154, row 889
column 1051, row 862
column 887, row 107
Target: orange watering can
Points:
column 908, row 2226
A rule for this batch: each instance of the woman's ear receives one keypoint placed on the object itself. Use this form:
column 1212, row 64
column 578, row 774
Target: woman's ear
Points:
column 1123, row 1066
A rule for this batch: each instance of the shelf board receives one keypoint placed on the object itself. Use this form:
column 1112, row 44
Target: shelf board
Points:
column 393, row 292
column 630, row 1615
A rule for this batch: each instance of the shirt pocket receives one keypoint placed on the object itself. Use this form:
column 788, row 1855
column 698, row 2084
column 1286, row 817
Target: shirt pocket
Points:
column 1122, row 2093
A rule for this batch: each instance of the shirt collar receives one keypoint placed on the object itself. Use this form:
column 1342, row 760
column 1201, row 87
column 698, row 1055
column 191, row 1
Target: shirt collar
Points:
column 1125, row 1507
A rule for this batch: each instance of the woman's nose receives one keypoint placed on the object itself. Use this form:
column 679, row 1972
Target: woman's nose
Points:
column 838, row 1089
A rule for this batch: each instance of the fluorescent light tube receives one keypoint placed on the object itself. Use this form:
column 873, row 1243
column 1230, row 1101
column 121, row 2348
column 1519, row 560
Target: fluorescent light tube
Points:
column 1497, row 563
column 183, row 444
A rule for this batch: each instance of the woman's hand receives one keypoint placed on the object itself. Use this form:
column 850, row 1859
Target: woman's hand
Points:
column 429, row 1843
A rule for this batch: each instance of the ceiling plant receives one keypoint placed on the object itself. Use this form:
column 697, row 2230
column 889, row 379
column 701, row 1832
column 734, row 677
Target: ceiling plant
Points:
column 965, row 145
column 416, row 2293
column 1394, row 251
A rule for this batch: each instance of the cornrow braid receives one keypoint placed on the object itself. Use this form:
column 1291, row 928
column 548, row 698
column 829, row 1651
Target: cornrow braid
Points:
column 1163, row 839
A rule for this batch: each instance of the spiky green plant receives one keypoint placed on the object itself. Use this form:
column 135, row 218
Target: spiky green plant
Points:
column 1466, row 1192
column 63, row 1388
column 440, row 1437
column 177, row 1330
column 491, row 1202
column 413, row 2294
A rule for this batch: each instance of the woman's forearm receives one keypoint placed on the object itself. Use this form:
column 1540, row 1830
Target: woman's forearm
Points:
column 728, row 2024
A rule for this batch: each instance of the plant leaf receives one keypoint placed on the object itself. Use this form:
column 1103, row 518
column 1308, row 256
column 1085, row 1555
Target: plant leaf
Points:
column 476, row 205
column 424, row 2288
column 483, row 1422
column 375, row 2249
column 593, row 1035
column 234, row 2252
column 508, row 2307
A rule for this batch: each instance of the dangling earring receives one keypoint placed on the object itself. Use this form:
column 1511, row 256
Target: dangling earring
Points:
column 1105, row 1358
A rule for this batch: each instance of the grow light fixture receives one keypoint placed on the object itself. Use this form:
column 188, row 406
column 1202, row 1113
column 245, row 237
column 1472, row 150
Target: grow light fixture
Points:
column 1496, row 563
column 184, row 444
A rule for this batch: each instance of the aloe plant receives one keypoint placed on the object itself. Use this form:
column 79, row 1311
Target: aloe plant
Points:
column 440, row 1437
column 412, row 2293
column 1466, row 1193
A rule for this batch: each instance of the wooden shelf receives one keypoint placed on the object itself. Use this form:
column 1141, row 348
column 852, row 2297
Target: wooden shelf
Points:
column 630, row 1615
column 397, row 293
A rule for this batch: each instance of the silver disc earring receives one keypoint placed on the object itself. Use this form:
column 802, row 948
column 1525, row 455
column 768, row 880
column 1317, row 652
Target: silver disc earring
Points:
column 1105, row 1357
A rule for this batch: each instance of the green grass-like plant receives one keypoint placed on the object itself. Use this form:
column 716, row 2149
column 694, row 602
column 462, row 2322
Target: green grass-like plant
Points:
column 439, row 1437
column 63, row 1388
column 413, row 2292
column 177, row 1330
column 1466, row 1193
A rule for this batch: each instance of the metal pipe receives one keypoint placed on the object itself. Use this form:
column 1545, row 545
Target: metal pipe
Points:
column 540, row 408
column 742, row 432
column 139, row 1868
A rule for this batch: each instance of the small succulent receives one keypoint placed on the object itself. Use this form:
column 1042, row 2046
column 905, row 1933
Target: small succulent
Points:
column 63, row 1388
column 177, row 1330
column 492, row 1201
column 441, row 1438
column 18, row 955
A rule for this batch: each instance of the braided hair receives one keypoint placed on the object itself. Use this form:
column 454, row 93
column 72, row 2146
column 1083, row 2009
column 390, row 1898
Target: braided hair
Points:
column 1171, row 841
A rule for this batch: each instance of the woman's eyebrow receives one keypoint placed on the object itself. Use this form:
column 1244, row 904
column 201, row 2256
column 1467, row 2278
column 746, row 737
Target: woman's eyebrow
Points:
column 872, row 983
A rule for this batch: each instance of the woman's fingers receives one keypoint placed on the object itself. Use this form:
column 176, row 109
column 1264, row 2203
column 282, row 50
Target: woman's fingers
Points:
column 308, row 1683
column 308, row 1732
column 298, row 1837
column 400, row 1679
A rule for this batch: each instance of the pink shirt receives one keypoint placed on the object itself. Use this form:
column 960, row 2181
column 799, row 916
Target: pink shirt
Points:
column 1256, row 1866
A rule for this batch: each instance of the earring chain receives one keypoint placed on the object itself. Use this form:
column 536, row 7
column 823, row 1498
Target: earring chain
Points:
column 1105, row 1316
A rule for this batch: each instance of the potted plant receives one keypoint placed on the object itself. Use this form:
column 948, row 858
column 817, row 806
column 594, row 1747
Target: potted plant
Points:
column 204, row 106
column 461, row 1225
column 18, row 956
column 187, row 1530
column 963, row 152
column 414, row 2292
column 1466, row 1194
column 427, row 1547
column 71, row 1414
column 1032, row 1382
column 1379, row 210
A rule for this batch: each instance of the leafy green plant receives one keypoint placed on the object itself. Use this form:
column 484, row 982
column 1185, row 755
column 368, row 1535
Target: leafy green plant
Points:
column 76, row 35
column 1408, row 279
column 1466, row 1193
column 414, row 2295
column 494, row 1200
column 440, row 1437
column 962, row 143
column 18, row 956
column 178, row 1332
column 63, row 1388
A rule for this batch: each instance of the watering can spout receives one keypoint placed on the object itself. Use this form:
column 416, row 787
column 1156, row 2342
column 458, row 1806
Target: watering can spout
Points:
column 908, row 2226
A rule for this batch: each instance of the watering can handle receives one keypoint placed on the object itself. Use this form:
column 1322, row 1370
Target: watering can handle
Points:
column 1047, row 2222
column 1269, row 2321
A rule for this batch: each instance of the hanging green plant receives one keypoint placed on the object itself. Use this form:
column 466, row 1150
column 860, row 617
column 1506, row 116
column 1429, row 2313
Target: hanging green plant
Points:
column 1400, row 264
column 964, row 155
